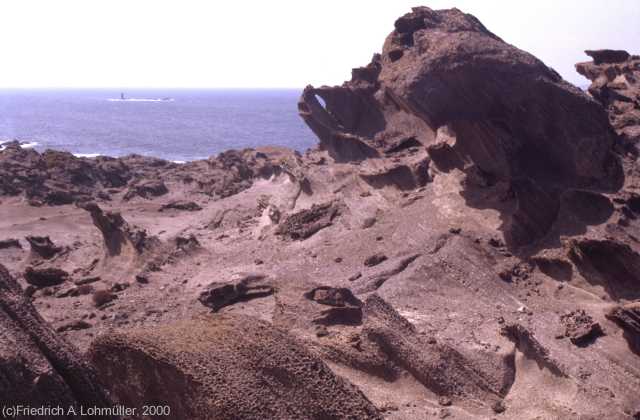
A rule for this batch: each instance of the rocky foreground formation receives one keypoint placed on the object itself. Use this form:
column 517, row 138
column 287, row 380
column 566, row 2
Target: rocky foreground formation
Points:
column 38, row 368
column 463, row 243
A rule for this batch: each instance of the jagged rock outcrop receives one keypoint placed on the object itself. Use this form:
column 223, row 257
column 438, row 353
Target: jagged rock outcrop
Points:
column 38, row 368
column 224, row 367
column 119, row 236
column 232, row 171
column 55, row 177
column 446, row 84
column 438, row 366
column 615, row 77
column 58, row 178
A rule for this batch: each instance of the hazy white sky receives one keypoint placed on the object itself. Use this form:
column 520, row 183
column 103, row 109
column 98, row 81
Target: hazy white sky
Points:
column 236, row 43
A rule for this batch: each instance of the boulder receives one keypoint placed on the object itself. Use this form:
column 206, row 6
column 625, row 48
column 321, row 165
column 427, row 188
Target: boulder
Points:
column 187, row 244
column 146, row 189
column 345, row 308
column 10, row 243
column 250, row 286
column 102, row 297
column 180, row 205
column 307, row 222
column 42, row 246
column 45, row 277
column 73, row 326
column 375, row 259
column 224, row 366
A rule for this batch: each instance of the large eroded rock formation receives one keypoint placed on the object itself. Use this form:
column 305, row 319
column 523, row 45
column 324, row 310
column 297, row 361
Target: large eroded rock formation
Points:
column 446, row 84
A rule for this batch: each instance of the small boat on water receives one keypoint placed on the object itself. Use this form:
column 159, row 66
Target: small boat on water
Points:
column 124, row 98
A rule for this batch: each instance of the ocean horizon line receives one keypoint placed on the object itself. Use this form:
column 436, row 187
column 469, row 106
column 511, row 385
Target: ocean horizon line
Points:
column 62, row 88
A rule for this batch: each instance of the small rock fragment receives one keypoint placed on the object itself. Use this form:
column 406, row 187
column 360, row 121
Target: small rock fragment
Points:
column 102, row 297
column 375, row 259
column 251, row 286
column 73, row 326
column 10, row 243
column 580, row 327
column 180, row 205
column 43, row 246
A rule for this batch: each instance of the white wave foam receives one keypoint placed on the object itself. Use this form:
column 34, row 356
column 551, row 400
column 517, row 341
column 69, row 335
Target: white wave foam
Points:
column 141, row 100
column 23, row 144
column 87, row 155
column 179, row 161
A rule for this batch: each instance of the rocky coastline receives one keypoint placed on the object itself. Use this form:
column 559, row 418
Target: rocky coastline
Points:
column 463, row 243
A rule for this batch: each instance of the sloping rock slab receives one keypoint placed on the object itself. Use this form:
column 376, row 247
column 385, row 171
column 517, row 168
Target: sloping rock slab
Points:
column 225, row 367
column 438, row 366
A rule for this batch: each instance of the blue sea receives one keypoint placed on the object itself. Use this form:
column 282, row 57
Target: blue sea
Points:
column 178, row 125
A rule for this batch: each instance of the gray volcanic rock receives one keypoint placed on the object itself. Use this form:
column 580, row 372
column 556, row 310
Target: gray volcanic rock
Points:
column 225, row 367
column 37, row 368
column 508, row 116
